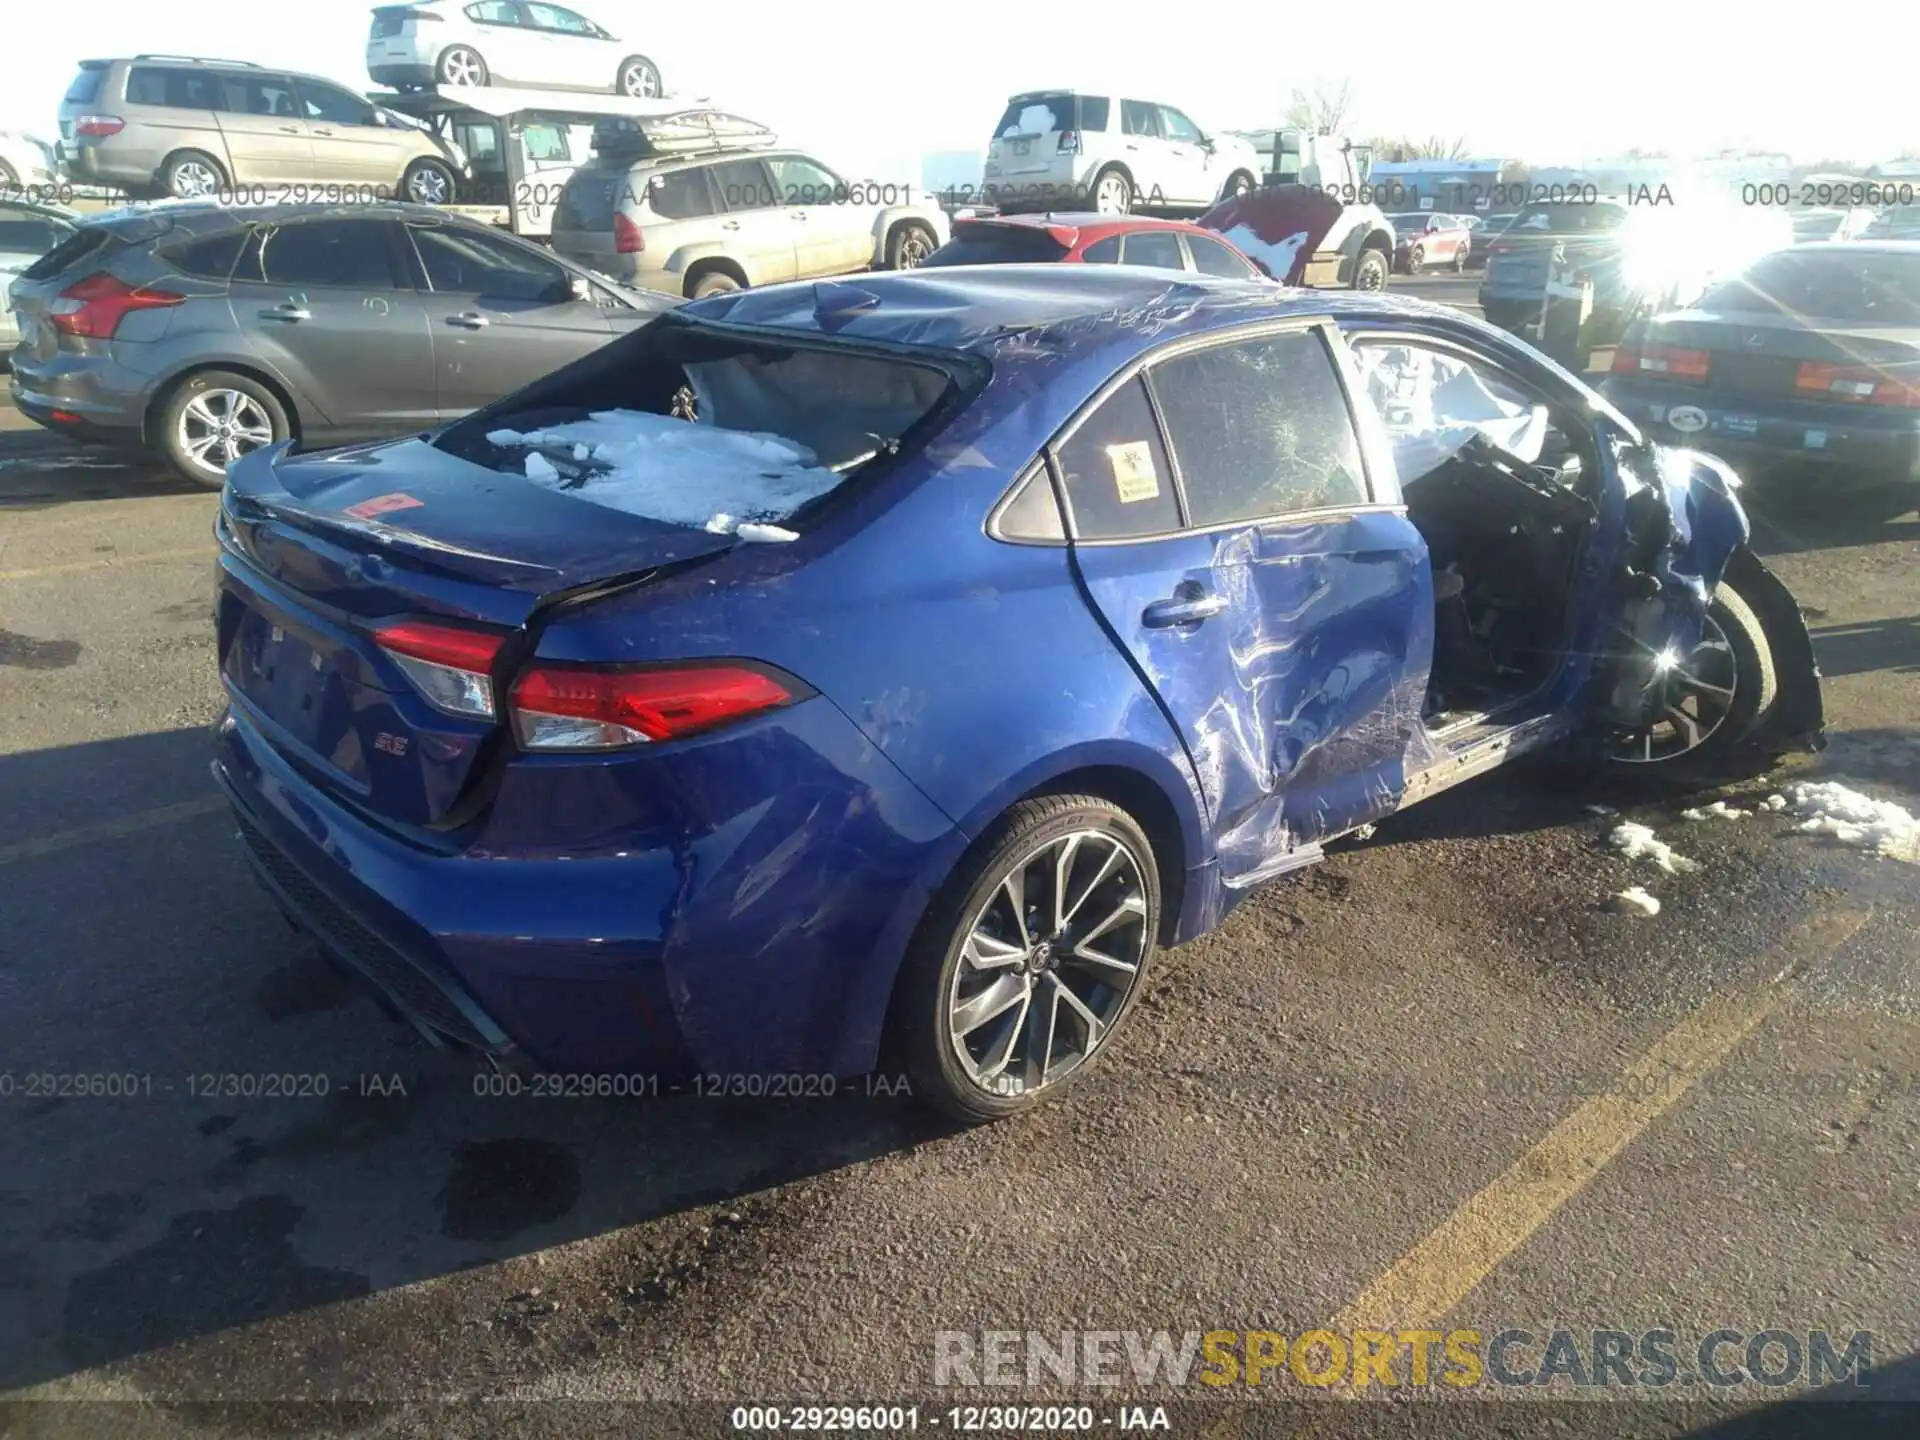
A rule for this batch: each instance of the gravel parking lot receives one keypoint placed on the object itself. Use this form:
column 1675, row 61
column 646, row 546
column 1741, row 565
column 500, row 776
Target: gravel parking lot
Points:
column 1390, row 1089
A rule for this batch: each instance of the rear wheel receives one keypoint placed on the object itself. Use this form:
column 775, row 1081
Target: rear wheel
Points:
column 909, row 245
column 213, row 419
column 1701, row 706
column 1112, row 191
column 638, row 77
column 192, row 175
column 1030, row 958
column 711, row 282
column 461, row 65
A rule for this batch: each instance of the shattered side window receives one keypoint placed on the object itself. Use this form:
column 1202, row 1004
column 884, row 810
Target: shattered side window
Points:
column 1260, row 428
column 1432, row 402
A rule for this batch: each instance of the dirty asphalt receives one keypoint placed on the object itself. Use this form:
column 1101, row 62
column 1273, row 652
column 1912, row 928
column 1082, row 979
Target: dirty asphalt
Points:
column 1303, row 1098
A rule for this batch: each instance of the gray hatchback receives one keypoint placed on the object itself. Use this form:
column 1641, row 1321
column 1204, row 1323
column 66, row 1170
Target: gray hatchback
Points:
column 202, row 332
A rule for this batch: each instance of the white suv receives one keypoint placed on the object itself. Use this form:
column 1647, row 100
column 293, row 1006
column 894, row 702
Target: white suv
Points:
column 1061, row 150
column 502, row 42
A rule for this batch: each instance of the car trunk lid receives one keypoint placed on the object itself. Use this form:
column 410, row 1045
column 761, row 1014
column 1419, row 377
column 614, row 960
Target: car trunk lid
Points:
column 322, row 552
column 1029, row 135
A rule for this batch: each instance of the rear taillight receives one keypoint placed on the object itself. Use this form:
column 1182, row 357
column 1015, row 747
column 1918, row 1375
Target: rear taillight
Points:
column 99, row 125
column 592, row 707
column 1668, row 360
column 94, row 307
column 1500, row 247
column 1859, row 384
column 450, row 665
column 1069, row 142
column 627, row 239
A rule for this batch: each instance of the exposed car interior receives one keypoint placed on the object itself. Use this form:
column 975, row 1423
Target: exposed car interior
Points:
column 1495, row 484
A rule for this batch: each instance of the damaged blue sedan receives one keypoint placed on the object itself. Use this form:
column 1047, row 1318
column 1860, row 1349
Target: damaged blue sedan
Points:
column 834, row 675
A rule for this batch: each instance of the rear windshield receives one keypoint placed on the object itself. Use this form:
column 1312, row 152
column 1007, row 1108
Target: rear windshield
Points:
column 86, row 85
column 1038, row 115
column 684, row 426
column 69, row 252
column 997, row 245
column 1898, row 220
column 1569, row 219
column 1855, row 287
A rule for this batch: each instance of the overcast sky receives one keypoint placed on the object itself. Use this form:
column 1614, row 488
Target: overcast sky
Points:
column 871, row 87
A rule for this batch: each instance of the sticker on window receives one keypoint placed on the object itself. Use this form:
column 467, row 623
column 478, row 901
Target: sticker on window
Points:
column 1133, row 476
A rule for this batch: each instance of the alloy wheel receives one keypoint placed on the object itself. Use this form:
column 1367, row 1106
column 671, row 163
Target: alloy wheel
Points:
column 1048, row 964
column 641, row 81
column 217, row 427
column 193, row 179
column 1110, row 198
column 1691, row 697
column 913, row 249
column 428, row 186
column 460, row 67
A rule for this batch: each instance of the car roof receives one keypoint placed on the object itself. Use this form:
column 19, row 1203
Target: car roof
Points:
column 197, row 212
column 1118, row 309
column 1091, row 224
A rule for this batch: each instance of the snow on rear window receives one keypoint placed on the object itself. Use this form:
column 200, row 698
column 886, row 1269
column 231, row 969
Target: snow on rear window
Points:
column 668, row 469
column 1036, row 117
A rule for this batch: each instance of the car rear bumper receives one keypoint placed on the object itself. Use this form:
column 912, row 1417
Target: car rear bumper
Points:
column 748, row 948
column 85, row 399
column 1851, row 447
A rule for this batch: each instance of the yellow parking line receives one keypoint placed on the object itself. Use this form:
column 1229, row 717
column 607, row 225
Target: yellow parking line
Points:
column 1440, row 1271
column 110, row 829
column 107, row 561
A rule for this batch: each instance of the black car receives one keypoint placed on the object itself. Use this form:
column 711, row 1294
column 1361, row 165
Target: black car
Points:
column 1803, row 368
column 1486, row 229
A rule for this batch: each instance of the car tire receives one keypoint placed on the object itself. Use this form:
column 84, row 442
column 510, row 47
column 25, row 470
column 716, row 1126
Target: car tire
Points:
column 1239, row 183
column 1416, row 260
column 1371, row 271
column 1460, row 260
column 711, row 281
column 908, row 245
column 1110, row 872
column 1755, row 690
column 1117, row 185
column 202, row 400
column 637, row 71
column 462, row 66
column 192, row 174
column 428, row 182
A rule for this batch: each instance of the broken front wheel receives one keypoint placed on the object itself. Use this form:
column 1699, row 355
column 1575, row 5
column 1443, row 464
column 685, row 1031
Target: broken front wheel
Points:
column 1703, row 705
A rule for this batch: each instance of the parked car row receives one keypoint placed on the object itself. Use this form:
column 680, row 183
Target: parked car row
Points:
column 205, row 332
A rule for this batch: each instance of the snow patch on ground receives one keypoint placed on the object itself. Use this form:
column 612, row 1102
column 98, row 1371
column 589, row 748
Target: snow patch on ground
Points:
column 1634, row 901
column 663, row 468
column 1775, row 803
column 1718, row 810
column 1829, row 808
column 1638, row 842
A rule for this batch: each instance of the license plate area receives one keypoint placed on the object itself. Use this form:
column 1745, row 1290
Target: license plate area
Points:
column 285, row 675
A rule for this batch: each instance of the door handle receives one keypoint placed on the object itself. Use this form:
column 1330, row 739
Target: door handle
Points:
column 469, row 321
column 796, row 214
column 1182, row 610
column 289, row 129
column 731, row 225
column 292, row 314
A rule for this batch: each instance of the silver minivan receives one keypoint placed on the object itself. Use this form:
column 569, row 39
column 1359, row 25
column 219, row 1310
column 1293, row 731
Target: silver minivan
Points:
column 700, row 203
column 180, row 126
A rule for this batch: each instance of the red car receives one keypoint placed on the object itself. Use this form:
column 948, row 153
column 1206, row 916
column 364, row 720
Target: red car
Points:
column 1089, row 239
column 1429, row 238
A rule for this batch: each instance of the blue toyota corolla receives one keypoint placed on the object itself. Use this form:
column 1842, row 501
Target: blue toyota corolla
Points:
column 903, row 662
